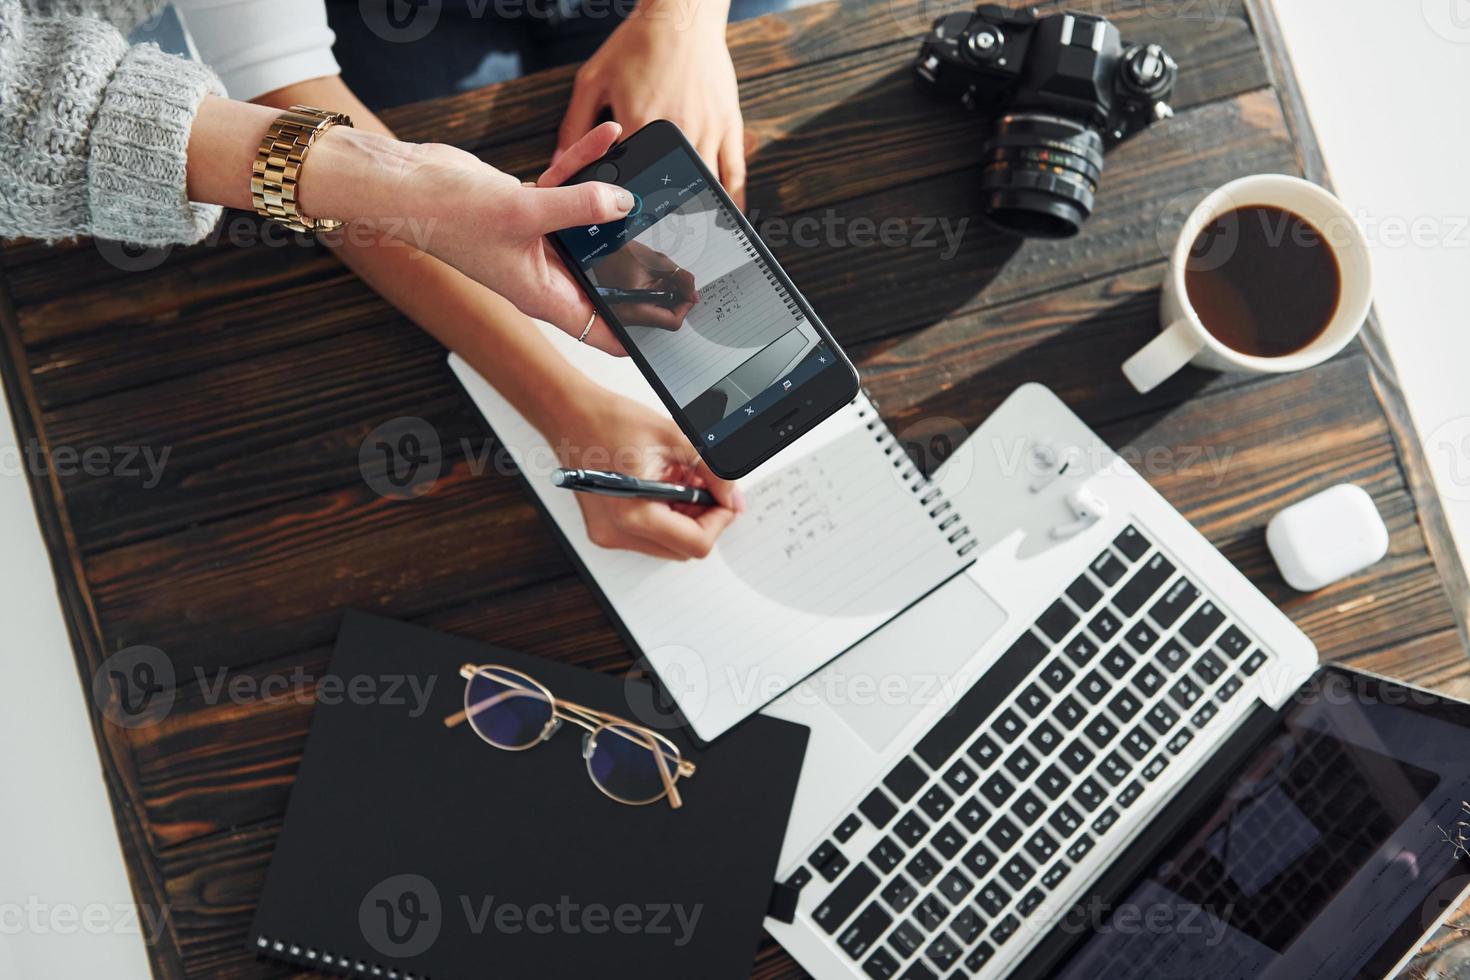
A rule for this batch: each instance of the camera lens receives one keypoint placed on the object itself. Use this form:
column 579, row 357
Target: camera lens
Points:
column 1041, row 174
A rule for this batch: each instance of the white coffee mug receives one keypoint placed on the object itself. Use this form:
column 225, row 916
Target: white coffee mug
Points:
column 1185, row 339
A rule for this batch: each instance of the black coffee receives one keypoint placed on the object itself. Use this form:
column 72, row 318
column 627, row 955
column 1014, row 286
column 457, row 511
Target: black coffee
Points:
column 1263, row 280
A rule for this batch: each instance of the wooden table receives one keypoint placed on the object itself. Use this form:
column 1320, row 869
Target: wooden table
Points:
column 262, row 529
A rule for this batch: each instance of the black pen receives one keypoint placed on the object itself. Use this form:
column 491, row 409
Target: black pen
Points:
column 616, row 294
column 622, row 485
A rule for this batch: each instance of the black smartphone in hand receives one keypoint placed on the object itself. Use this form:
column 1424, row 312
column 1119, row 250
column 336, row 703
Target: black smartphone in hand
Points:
column 727, row 341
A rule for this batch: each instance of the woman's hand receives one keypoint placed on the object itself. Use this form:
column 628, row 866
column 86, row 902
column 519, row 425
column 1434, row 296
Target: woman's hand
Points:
column 616, row 433
column 668, row 60
column 637, row 267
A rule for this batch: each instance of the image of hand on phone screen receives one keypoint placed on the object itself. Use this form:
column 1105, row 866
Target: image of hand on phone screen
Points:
column 645, row 288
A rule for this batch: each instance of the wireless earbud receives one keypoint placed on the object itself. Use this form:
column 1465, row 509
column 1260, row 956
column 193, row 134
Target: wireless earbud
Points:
column 1087, row 509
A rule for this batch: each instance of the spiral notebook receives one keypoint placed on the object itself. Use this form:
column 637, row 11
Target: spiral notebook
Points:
column 412, row 851
column 841, row 535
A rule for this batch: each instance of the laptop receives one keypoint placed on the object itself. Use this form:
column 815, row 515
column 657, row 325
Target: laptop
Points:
column 1099, row 751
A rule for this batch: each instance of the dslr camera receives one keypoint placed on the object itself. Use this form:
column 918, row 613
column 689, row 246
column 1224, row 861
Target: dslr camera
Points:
column 1064, row 86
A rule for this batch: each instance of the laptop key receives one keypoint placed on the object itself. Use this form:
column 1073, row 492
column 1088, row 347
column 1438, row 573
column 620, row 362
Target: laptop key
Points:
column 1206, row 619
column 1130, row 794
column 930, row 912
column 1003, row 833
column 1141, row 638
column 1008, row 725
column 1208, row 667
column 992, row 897
column 935, row 803
column 1125, row 705
column 972, row 815
column 1108, row 568
column 1138, row 743
column 1101, row 731
column 1131, row 542
column 863, row 931
column 1065, row 820
column 847, row 828
column 1005, row 929
column 886, row 854
column 1017, row 872
column 1229, row 689
column 844, row 900
column 984, row 750
column 997, row 789
column 799, row 878
column 1202, row 717
column 955, row 885
column 1105, row 625
column 1178, row 597
column 881, row 965
column 1077, row 755
column 1045, row 737
column 1089, row 794
column 1185, row 692
column 828, row 860
column 1155, row 766
column 978, row 957
column 948, row 840
column 959, row 776
column 1052, row 781
column 905, row 779
column 971, row 711
column 966, row 925
column 1117, row 662
column 918, row 971
column 911, row 829
column 1152, row 574
column 1057, row 674
column 1033, row 700
column 1030, row 901
column 878, row 808
column 1114, row 768
column 1028, row 807
column 1172, row 655
column 1181, row 739
column 1068, row 712
column 907, row 939
column 1094, row 687
column 1053, row 875
column 1104, row 821
column 1253, row 663
column 1233, row 642
column 1149, row 679
column 1057, row 621
column 923, row 868
column 1020, row 763
column 1083, row 593
column 943, row 951
column 1041, row 846
column 1080, row 848
column 979, row 859
column 1161, row 718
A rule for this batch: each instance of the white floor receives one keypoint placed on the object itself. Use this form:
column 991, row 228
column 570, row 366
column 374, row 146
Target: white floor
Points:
column 1388, row 85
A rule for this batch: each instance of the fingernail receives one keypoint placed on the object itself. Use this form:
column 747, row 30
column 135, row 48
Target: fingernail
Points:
column 624, row 200
column 739, row 497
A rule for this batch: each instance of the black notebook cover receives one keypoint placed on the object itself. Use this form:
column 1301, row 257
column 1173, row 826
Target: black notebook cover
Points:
column 414, row 850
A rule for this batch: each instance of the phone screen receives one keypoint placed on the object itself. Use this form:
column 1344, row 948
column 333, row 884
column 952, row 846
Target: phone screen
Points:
column 712, row 318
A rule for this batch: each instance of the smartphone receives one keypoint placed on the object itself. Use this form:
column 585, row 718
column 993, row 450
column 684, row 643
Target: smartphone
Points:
column 725, row 338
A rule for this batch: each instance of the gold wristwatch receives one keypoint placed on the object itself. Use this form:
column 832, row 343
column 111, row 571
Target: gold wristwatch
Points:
column 278, row 163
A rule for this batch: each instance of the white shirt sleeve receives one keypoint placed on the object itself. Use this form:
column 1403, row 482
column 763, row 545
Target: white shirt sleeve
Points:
column 258, row 46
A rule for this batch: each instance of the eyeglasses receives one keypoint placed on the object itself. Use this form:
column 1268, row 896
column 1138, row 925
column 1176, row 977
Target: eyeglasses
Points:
column 627, row 762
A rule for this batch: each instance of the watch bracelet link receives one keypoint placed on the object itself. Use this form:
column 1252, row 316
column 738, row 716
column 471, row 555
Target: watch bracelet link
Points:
column 276, row 171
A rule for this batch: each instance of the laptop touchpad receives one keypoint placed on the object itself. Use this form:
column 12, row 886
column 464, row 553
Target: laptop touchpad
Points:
column 878, row 686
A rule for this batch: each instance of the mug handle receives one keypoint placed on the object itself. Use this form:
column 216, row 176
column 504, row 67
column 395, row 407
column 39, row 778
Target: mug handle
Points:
column 1161, row 357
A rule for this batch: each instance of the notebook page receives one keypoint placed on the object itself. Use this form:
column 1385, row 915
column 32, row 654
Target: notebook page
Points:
column 832, row 546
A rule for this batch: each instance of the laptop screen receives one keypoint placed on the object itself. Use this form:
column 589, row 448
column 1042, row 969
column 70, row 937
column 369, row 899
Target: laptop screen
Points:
column 1332, row 850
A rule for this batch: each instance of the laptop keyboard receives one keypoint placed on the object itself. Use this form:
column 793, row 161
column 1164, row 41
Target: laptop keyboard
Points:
column 1030, row 770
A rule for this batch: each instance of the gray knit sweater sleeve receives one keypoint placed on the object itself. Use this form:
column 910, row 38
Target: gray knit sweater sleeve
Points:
column 94, row 133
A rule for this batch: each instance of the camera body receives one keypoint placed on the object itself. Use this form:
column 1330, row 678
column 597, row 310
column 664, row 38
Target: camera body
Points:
column 1064, row 85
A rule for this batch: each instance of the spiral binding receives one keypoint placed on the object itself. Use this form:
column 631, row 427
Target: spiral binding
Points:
column 759, row 260
column 329, row 962
column 931, row 497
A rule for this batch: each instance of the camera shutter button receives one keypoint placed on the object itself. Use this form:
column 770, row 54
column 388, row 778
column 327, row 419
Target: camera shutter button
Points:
column 986, row 43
